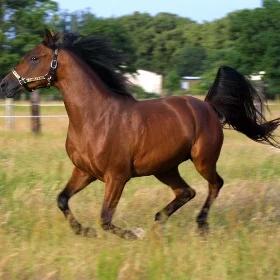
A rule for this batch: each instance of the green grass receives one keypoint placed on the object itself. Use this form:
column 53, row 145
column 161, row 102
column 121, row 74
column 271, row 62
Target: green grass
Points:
column 37, row 243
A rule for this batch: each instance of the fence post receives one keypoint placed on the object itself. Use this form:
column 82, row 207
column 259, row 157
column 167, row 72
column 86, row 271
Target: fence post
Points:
column 35, row 112
column 9, row 113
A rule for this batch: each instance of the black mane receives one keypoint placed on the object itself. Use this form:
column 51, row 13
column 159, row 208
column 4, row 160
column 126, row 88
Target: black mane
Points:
column 98, row 53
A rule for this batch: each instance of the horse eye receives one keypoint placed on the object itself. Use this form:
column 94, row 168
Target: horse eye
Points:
column 34, row 58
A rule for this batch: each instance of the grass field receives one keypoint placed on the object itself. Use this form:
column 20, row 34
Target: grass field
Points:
column 37, row 243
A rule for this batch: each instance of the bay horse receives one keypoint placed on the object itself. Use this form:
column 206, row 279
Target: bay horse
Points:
column 113, row 137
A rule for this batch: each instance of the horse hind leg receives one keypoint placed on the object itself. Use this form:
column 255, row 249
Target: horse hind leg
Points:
column 214, row 189
column 208, row 170
column 78, row 181
column 183, row 193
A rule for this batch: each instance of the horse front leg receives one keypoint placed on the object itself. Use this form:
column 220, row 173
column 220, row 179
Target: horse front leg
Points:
column 113, row 191
column 78, row 181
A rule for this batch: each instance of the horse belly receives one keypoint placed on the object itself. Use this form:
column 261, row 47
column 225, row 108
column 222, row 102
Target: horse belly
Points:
column 161, row 157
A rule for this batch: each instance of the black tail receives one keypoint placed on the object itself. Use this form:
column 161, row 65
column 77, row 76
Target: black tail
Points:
column 240, row 106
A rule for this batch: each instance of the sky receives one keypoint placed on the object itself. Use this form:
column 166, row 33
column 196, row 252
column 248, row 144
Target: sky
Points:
column 198, row 10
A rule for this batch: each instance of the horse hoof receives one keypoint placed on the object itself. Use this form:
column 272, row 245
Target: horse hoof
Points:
column 203, row 229
column 161, row 218
column 130, row 235
column 139, row 232
column 89, row 232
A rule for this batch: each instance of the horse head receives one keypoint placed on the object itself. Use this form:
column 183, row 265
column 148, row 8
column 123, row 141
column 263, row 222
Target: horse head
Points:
column 37, row 69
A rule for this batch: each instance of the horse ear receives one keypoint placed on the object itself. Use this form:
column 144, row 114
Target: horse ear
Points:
column 49, row 39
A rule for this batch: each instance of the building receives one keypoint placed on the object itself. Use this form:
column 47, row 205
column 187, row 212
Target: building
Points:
column 257, row 76
column 188, row 81
column 258, row 82
column 149, row 81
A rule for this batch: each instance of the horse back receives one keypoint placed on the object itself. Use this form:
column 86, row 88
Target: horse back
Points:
column 168, row 128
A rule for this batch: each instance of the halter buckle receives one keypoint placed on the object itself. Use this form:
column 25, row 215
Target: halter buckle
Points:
column 22, row 81
column 54, row 64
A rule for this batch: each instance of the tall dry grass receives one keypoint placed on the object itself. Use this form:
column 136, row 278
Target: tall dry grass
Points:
column 37, row 243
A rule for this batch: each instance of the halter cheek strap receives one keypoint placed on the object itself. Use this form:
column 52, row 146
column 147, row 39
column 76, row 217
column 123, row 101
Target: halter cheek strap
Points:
column 49, row 77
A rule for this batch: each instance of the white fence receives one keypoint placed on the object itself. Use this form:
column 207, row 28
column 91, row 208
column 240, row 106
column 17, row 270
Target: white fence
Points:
column 9, row 112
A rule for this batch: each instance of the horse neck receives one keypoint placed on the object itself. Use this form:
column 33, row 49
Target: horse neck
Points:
column 83, row 92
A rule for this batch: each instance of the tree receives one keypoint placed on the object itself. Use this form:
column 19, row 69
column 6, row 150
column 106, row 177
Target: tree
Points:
column 156, row 40
column 256, row 38
column 22, row 23
column 190, row 61
column 172, row 82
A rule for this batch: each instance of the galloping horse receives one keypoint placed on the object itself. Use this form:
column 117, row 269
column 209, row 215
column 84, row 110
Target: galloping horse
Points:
column 112, row 137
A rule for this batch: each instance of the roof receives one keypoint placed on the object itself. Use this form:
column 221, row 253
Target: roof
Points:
column 191, row 78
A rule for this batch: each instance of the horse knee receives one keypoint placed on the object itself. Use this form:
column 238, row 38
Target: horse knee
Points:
column 62, row 201
column 216, row 187
column 191, row 193
column 188, row 194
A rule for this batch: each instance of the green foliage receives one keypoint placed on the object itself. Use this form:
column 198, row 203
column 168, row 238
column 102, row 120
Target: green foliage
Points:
column 190, row 60
column 172, row 82
column 22, row 23
column 255, row 36
column 270, row 3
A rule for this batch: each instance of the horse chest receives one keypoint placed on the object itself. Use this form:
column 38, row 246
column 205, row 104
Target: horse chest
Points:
column 84, row 157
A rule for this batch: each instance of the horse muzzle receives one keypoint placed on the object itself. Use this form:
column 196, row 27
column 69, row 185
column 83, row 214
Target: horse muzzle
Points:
column 10, row 87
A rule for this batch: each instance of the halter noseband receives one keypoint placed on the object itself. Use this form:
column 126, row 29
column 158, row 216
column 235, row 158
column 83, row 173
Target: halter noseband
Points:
column 49, row 77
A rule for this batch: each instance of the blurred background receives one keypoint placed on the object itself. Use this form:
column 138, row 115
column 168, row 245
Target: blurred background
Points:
column 178, row 45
